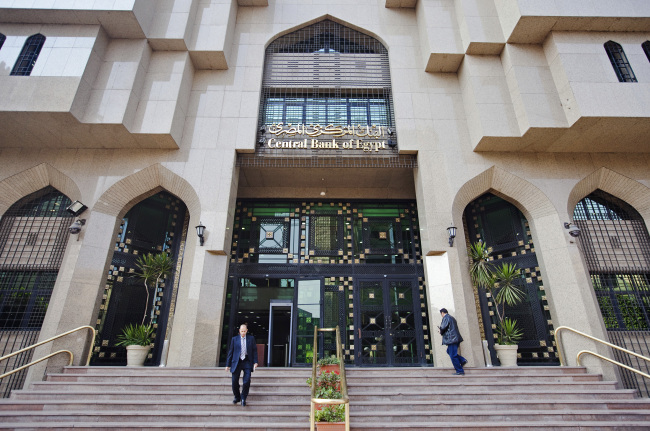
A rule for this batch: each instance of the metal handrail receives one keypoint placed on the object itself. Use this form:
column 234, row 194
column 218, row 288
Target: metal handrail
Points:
column 344, row 383
column 589, row 352
column 33, row 346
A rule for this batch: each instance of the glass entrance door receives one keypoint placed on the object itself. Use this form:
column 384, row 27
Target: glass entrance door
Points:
column 389, row 326
column 280, row 333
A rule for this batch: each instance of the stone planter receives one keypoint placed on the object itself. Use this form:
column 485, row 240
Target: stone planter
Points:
column 507, row 355
column 329, row 368
column 136, row 355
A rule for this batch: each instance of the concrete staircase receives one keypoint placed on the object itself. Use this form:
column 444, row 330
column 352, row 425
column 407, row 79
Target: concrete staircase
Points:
column 523, row 398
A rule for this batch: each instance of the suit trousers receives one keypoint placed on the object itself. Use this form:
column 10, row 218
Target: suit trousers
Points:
column 245, row 366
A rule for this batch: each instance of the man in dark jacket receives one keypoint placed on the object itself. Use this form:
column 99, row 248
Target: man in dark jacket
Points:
column 452, row 339
column 242, row 356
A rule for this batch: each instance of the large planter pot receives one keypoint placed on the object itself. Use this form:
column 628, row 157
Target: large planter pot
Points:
column 329, row 368
column 136, row 355
column 507, row 354
column 330, row 426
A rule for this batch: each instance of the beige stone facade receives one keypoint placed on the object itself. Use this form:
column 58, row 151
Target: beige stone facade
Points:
column 513, row 97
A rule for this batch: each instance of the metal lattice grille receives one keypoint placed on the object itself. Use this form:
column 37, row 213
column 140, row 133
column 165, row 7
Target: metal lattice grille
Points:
column 616, row 246
column 33, row 236
column 619, row 62
column 326, row 74
column 28, row 55
column 2, row 39
column 505, row 230
column 646, row 48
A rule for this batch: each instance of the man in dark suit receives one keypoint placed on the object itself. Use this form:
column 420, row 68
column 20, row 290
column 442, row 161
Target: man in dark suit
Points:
column 242, row 356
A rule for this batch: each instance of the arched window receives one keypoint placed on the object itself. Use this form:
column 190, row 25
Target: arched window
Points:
column 646, row 48
column 327, row 74
column 33, row 236
column 619, row 62
column 28, row 55
column 2, row 39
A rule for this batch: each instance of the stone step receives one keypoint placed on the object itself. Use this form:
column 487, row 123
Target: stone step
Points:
column 356, row 406
column 474, row 385
column 235, row 426
column 290, row 397
column 154, row 386
column 249, row 414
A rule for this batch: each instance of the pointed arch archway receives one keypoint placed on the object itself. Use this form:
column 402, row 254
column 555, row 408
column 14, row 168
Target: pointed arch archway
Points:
column 30, row 180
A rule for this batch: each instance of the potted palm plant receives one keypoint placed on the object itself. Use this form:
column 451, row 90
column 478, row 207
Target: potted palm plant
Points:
column 499, row 282
column 138, row 338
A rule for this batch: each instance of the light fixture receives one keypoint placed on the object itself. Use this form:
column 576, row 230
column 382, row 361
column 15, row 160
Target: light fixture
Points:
column 451, row 230
column 75, row 227
column 574, row 230
column 76, row 208
column 199, row 231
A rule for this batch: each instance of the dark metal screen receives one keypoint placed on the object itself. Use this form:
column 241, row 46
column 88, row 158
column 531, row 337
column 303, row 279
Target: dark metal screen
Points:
column 646, row 48
column 156, row 225
column 615, row 244
column 619, row 62
column 338, row 243
column 505, row 230
column 33, row 235
column 326, row 75
column 28, row 55
column 2, row 39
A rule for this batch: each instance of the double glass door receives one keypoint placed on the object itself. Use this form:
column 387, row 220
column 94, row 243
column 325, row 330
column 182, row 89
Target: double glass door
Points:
column 388, row 323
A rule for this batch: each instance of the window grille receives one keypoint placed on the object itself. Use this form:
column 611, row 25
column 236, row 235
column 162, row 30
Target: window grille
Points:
column 619, row 62
column 33, row 236
column 620, row 274
column 645, row 45
column 2, row 39
column 326, row 74
column 29, row 54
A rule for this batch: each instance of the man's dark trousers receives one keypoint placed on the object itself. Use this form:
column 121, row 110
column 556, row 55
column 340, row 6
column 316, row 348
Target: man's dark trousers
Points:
column 456, row 359
column 246, row 366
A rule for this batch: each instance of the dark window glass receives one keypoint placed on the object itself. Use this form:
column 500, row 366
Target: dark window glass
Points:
column 28, row 55
column 646, row 48
column 619, row 62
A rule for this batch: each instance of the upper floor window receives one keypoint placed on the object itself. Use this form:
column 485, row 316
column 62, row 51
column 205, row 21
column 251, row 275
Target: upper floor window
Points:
column 646, row 48
column 2, row 39
column 327, row 81
column 29, row 54
column 619, row 62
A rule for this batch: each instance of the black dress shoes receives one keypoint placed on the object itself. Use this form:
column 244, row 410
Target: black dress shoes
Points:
column 236, row 400
column 243, row 403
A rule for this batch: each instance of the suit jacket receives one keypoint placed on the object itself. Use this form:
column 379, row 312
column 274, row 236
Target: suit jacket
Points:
column 232, row 360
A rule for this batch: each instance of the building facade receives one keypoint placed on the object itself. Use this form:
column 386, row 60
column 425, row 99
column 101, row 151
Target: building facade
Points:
column 325, row 147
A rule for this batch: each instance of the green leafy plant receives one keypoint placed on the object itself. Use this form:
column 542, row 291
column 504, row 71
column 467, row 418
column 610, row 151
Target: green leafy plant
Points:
column 500, row 282
column 138, row 335
column 329, row 360
column 153, row 268
column 335, row 413
column 510, row 334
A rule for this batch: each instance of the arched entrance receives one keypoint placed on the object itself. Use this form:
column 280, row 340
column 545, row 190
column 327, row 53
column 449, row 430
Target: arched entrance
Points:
column 157, row 224
column 505, row 229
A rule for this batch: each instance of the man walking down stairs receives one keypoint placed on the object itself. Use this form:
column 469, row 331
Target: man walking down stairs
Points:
column 381, row 399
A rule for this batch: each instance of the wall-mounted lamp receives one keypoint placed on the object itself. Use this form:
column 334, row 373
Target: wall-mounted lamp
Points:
column 75, row 227
column 574, row 230
column 451, row 230
column 199, row 231
column 76, row 208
